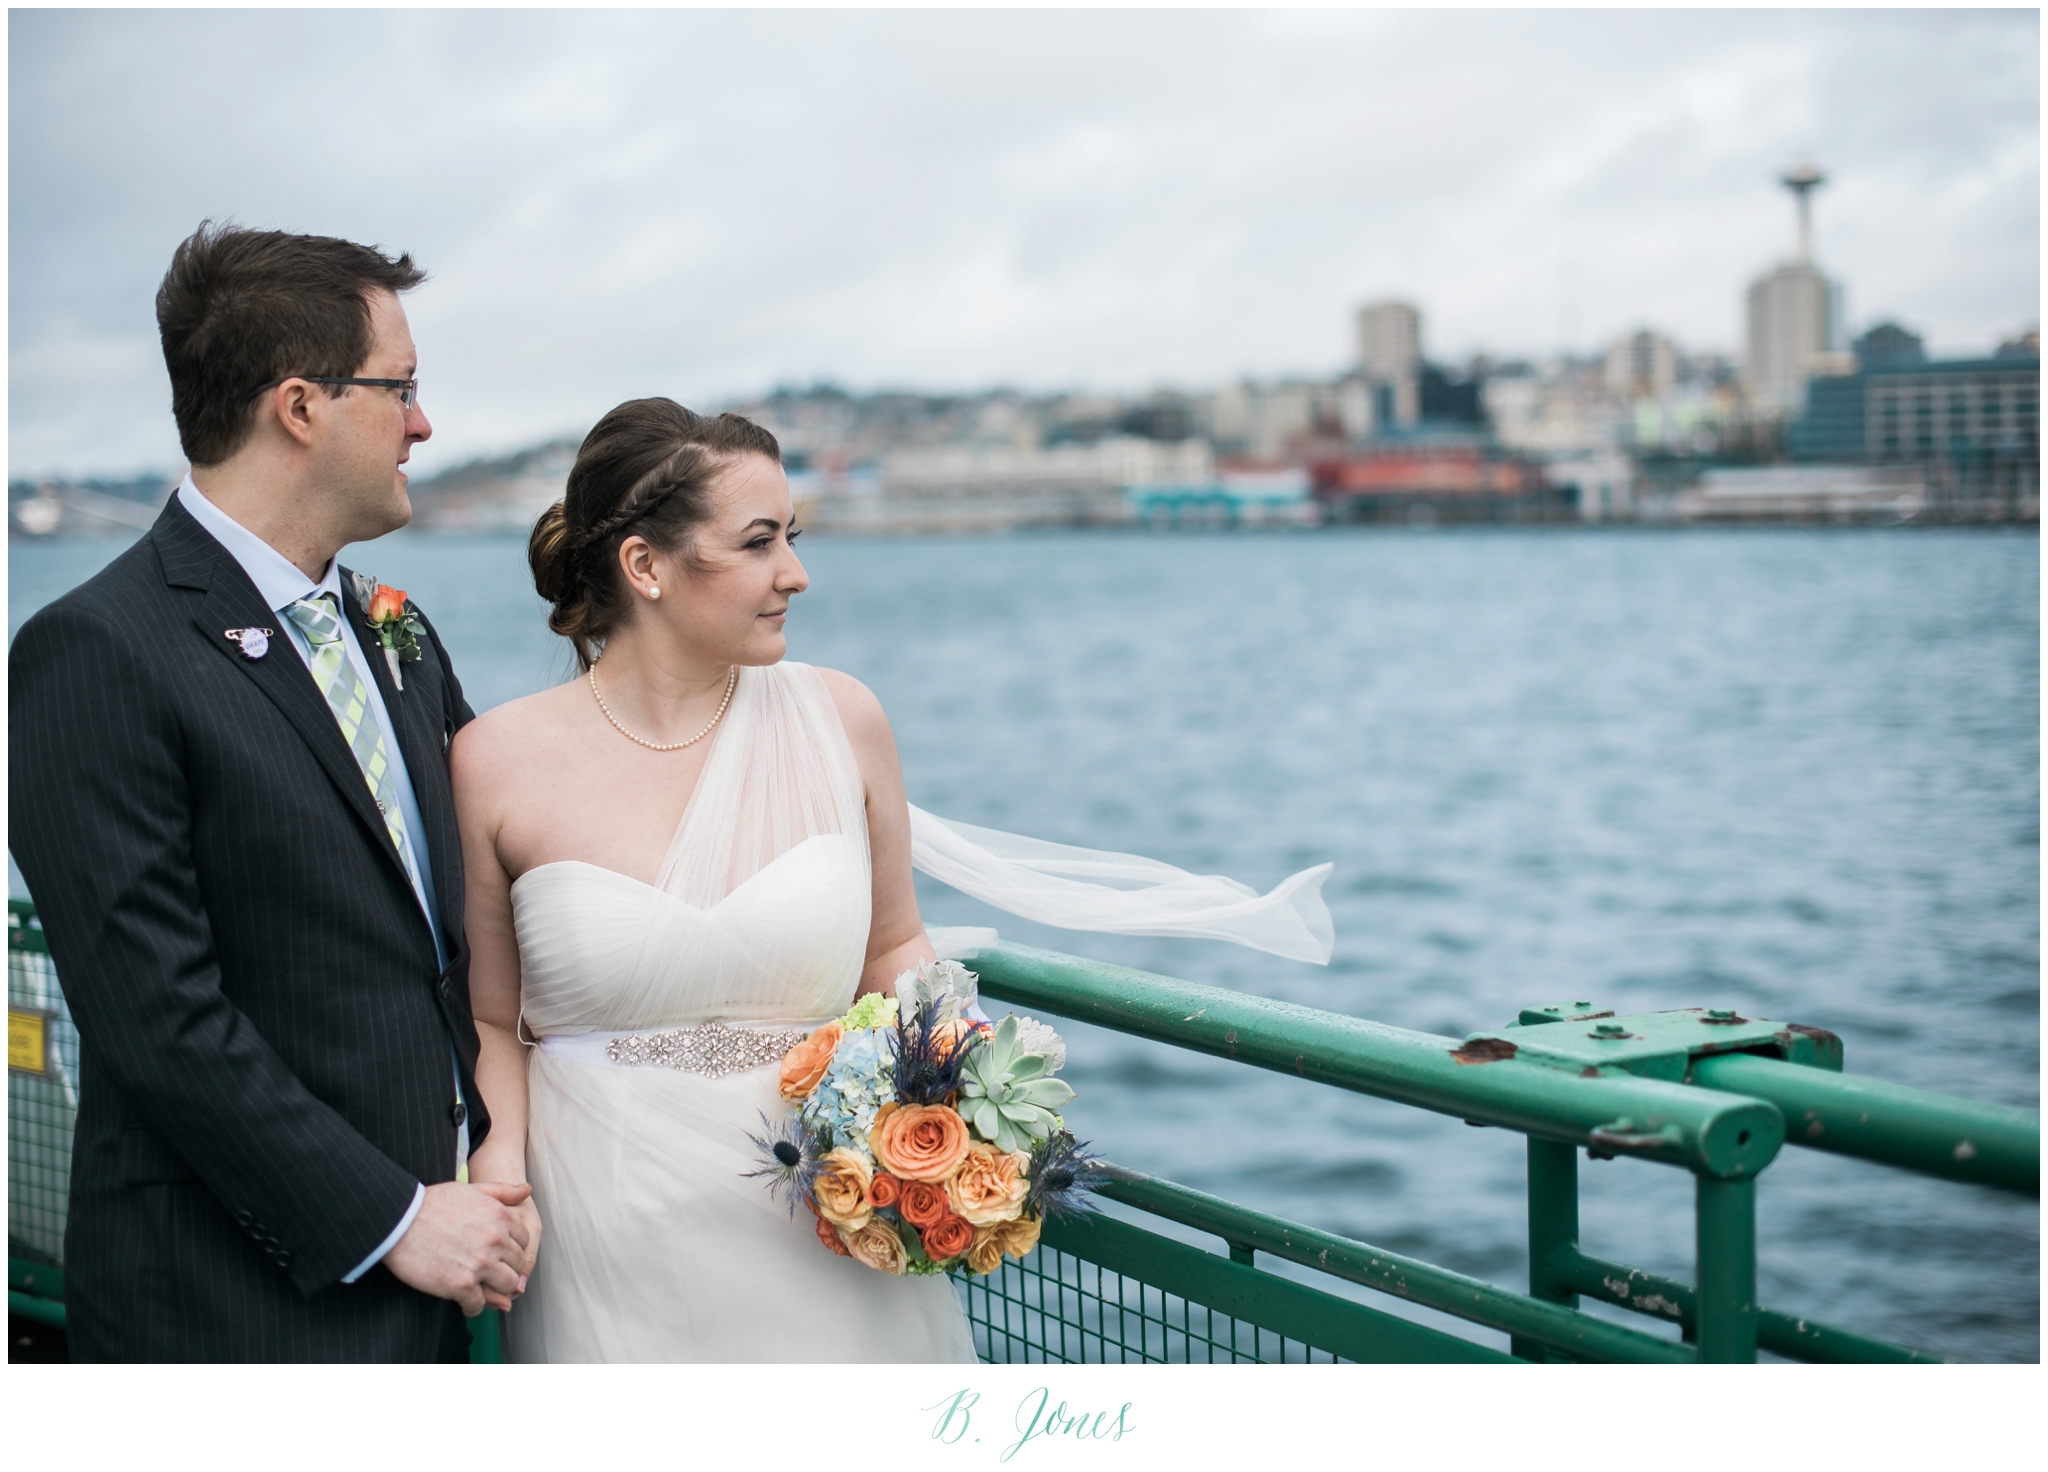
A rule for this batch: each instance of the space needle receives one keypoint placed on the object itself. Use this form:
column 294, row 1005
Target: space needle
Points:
column 1802, row 179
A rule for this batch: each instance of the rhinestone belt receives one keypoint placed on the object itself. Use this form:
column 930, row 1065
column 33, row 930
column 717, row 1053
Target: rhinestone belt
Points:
column 711, row 1048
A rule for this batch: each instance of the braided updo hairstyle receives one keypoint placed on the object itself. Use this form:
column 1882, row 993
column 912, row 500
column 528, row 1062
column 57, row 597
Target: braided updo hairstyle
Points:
column 645, row 470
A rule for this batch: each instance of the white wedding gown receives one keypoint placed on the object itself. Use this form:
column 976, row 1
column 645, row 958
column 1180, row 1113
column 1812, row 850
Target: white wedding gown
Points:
column 657, row 1246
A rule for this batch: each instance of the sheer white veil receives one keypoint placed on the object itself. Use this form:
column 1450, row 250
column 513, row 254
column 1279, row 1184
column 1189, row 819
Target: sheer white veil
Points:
column 780, row 771
column 1121, row 894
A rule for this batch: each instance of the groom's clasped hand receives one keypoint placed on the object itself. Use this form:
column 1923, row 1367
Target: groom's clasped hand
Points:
column 469, row 1245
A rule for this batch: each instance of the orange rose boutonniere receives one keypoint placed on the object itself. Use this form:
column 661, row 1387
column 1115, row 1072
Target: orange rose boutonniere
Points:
column 395, row 621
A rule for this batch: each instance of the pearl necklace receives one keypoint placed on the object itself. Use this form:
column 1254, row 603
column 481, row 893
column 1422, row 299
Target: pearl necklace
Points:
column 731, row 680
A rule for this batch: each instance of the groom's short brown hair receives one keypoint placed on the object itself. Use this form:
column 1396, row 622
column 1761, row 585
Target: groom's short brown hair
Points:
column 239, row 308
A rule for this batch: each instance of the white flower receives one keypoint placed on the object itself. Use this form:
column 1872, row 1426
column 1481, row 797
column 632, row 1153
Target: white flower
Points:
column 948, row 985
column 1034, row 1036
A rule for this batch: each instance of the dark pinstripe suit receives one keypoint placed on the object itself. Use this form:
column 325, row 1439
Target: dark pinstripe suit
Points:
column 263, row 1022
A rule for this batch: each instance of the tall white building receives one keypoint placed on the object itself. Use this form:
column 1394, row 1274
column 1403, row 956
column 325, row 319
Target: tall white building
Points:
column 1389, row 340
column 1390, row 358
column 1794, row 316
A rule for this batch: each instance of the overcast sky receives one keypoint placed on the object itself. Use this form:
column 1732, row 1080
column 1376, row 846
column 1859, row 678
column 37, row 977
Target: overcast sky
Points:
column 706, row 204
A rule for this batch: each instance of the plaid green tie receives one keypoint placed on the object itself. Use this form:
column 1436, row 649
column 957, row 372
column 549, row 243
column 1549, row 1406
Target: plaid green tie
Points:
column 349, row 699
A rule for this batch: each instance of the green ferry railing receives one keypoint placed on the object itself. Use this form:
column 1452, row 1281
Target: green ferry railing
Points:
column 1711, row 1092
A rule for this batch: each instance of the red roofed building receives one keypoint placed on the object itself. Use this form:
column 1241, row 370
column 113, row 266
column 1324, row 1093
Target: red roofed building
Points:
column 1457, row 482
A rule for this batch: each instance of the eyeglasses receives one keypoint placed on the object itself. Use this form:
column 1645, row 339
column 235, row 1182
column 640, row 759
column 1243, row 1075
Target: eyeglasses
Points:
column 408, row 388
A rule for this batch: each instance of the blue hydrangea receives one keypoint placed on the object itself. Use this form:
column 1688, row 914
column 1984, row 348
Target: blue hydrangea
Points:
column 858, row 1081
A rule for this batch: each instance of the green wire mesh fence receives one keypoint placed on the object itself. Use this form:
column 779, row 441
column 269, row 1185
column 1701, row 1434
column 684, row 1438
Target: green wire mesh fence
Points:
column 41, row 1107
column 1057, row 1308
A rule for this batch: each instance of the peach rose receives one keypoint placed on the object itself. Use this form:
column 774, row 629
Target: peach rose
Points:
column 921, row 1203
column 804, row 1065
column 921, row 1143
column 1016, row 1236
column 877, row 1246
column 841, row 1189
column 986, row 1255
column 386, row 603
column 829, row 1235
column 949, row 1238
column 883, row 1190
column 960, row 1027
column 990, row 1185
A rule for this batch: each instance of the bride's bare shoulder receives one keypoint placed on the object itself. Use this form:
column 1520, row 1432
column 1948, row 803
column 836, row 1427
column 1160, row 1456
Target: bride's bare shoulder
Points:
column 513, row 735
column 859, row 711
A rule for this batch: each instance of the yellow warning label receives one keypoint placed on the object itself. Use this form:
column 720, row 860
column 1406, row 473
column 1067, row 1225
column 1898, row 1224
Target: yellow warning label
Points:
column 28, row 1042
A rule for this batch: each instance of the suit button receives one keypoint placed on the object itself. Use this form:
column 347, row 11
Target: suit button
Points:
column 447, row 989
column 244, row 1218
column 459, row 1113
column 284, row 1259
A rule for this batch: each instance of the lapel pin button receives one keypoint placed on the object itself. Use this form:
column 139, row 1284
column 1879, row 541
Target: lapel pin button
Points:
column 255, row 642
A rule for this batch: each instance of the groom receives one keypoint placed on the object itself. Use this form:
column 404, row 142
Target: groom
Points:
column 238, row 830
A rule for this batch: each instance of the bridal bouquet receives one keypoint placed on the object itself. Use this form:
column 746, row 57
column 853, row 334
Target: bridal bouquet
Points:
column 922, row 1140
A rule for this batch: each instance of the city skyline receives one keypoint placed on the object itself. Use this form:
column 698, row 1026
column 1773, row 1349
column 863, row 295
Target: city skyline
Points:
column 1065, row 219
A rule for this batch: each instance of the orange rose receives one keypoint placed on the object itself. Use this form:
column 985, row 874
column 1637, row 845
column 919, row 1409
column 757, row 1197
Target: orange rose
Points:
column 841, row 1189
column 921, row 1203
column 804, row 1065
column 386, row 603
column 1016, row 1236
column 829, row 1235
column 921, row 1143
column 990, row 1185
column 876, row 1245
column 883, row 1190
column 948, row 1238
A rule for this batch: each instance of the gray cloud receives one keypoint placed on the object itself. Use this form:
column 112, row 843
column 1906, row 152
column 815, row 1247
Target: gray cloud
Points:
column 703, row 204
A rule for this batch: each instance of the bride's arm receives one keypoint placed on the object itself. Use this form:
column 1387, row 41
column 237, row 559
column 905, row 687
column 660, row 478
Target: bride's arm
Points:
column 896, row 938
column 493, row 977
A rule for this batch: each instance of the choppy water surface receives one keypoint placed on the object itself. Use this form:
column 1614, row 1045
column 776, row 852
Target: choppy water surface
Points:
column 1790, row 772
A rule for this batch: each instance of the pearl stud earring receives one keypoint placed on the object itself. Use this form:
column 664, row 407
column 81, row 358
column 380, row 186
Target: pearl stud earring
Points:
column 654, row 592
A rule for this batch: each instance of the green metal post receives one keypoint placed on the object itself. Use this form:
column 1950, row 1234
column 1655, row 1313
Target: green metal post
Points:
column 1553, row 1230
column 486, row 1338
column 1726, row 1224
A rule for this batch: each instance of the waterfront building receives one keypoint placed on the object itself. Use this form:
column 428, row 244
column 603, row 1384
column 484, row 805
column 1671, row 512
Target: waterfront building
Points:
column 1429, row 478
column 1601, row 484
column 1794, row 316
column 994, row 488
column 1883, row 494
column 1972, row 425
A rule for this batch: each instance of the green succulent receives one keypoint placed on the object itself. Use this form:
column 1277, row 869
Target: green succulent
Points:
column 1006, row 1093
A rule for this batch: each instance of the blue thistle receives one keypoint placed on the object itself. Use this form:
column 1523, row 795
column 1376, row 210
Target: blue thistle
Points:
column 790, row 1152
column 1063, row 1177
column 927, row 1065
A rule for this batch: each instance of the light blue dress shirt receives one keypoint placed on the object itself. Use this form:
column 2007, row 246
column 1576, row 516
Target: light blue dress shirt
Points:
column 281, row 585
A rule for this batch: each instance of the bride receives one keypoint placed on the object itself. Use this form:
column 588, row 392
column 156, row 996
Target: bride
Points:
column 676, row 867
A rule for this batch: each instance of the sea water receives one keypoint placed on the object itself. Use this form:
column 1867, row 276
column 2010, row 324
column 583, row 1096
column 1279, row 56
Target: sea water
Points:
column 1793, row 772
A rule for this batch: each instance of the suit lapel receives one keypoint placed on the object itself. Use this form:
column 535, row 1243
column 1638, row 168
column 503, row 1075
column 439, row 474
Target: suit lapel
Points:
column 419, row 741
column 228, row 600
